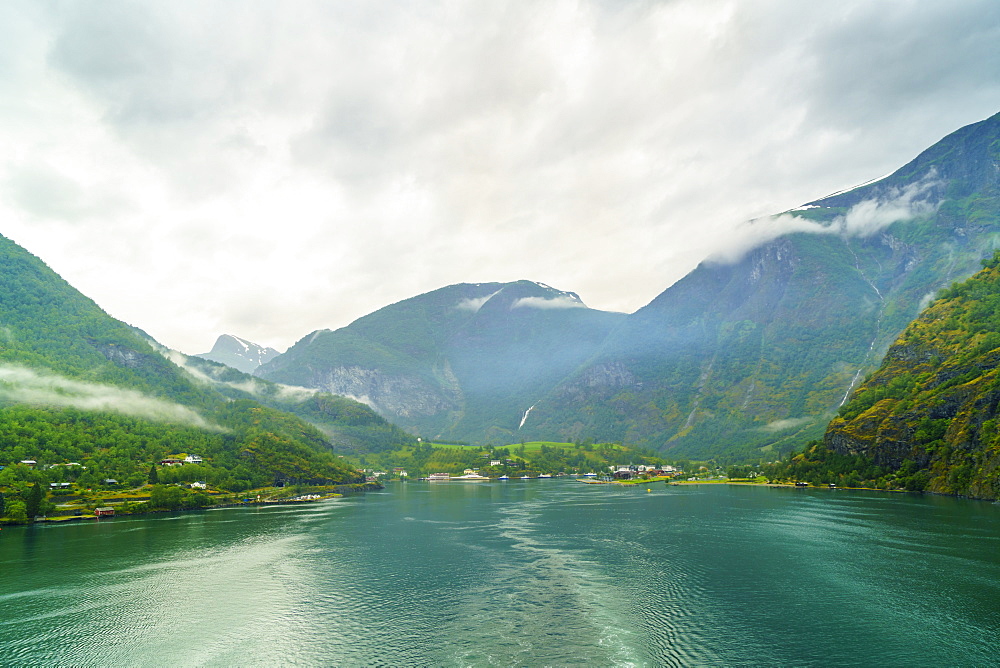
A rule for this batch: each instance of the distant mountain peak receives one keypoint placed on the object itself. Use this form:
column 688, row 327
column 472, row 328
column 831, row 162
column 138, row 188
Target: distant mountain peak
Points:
column 239, row 353
column 519, row 294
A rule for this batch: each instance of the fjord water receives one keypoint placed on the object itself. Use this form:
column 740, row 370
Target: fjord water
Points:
column 516, row 573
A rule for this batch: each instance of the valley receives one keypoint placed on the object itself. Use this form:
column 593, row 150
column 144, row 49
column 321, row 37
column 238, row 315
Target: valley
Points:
column 747, row 359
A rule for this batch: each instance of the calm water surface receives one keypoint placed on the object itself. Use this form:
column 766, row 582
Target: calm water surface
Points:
column 519, row 573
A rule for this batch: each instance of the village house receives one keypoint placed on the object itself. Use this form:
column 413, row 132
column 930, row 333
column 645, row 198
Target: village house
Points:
column 630, row 471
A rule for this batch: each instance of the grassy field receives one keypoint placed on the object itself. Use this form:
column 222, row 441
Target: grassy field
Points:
column 535, row 447
column 531, row 448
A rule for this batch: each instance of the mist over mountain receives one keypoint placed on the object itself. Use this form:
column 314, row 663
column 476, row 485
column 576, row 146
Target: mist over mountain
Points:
column 756, row 352
column 466, row 361
column 239, row 353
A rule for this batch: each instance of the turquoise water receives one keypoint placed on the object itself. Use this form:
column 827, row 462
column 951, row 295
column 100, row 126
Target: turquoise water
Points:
column 517, row 573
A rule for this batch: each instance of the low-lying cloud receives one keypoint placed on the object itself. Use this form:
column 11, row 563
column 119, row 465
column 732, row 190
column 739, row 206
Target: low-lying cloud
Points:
column 474, row 303
column 28, row 386
column 547, row 303
column 862, row 220
column 203, row 372
column 787, row 423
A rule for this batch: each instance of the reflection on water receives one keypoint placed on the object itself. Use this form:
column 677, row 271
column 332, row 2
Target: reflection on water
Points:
column 517, row 573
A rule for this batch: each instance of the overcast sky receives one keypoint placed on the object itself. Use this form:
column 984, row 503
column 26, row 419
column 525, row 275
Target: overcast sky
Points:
column 266, row 169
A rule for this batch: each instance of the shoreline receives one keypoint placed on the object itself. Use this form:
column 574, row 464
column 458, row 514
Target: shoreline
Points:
column 338, row 491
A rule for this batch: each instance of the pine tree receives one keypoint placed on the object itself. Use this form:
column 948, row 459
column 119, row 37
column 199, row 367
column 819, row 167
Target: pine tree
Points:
column 33, row 503
column 154, row 478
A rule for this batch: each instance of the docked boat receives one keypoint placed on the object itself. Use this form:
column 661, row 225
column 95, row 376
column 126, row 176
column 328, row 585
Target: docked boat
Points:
column 526, row 477
column 544, row 475
column 504, row 477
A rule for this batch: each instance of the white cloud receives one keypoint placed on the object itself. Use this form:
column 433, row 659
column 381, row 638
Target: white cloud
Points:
column 474, row 304
column 788, row 423
column 862, row 220
column 926, row 301
column 870, row 216
column 560, row 302
column 271, row 170
column 27, row 386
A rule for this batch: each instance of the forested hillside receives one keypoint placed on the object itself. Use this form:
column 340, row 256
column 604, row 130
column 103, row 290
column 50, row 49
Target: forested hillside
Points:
column 930, row 413
column 89, row 399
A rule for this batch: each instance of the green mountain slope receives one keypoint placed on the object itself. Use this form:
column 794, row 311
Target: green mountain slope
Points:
column 463, row 362
column 756, row 355
column 79, row 386
column 931, row 409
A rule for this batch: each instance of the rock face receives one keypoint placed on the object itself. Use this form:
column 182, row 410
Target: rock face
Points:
column 125, row 356
column 406, row 397
column 932, row 407
column 239, row 353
